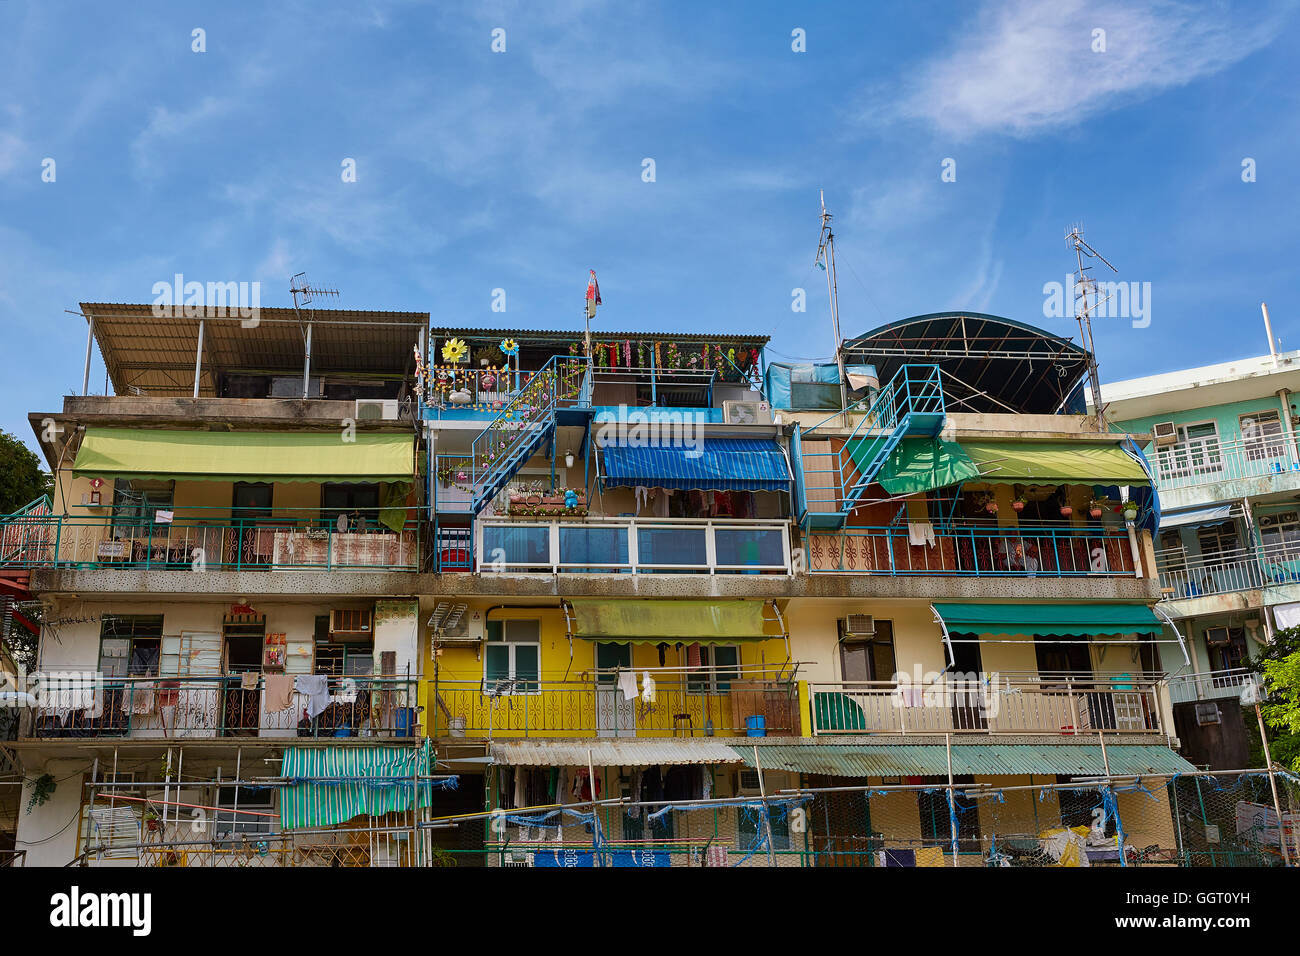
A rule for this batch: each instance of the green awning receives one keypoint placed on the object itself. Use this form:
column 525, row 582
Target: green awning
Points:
column 650, row 622
column 323, row 456
column 331, row 785
column 917, row 464
column 1055, row 462
column 1075, row 620
column 985, row 759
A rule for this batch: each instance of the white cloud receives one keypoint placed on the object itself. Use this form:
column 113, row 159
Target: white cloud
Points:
column 1027, row 65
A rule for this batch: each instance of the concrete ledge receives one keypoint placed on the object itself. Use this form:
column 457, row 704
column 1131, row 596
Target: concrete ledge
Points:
column 313, row 584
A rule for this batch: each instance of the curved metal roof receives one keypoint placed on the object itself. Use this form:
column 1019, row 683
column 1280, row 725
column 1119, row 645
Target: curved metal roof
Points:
column 988, row 363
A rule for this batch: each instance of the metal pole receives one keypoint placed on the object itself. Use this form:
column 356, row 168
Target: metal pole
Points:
column 595, row 819
column 198, row 360
column 90, row 339
column 952, row 800
column 1119, row 824
column 1272, row 783
column 306, row 364
column 767, row 819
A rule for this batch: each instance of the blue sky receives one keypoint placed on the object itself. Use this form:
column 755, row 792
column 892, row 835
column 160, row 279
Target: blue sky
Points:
column 520, row 170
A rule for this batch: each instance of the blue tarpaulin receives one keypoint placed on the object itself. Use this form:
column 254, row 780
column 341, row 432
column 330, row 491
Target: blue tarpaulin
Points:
column 714, row 464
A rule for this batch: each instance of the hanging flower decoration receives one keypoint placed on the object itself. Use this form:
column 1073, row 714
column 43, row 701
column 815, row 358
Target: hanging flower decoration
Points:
column 453, row 350
column 509, row 346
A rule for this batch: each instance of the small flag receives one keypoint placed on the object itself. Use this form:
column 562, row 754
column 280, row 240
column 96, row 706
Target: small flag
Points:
column 593, row 294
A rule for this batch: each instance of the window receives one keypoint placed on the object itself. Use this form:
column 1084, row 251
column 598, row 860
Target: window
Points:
column 512, row 660
column 869, row 660
column 750, row 822
column 1280, row 532
column 254, row 812
column 1261, row 434
column 1196, row 451
column 135, row 503
column 360, row 502
column 936, row 829
column 719, row 666
column 130, row 645
column 1227, row 647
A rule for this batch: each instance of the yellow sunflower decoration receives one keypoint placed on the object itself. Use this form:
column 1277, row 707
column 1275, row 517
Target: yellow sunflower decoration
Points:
column 453, row 350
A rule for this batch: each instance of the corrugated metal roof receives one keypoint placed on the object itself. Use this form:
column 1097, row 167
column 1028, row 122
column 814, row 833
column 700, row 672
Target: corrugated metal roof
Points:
column 156, row 352
column 610, row 752
column 931, row 760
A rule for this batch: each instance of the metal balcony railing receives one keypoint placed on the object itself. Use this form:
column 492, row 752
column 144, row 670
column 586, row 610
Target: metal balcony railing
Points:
column 210, row 539
column 704, row 702
column 1050, row 706
column 1212, row 685
column 633, row 546
column 1242, row 569
column 976, row 552
column 1208, row 460
column 205, row 707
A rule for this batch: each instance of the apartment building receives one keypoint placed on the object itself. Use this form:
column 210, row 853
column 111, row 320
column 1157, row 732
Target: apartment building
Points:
column 1224, row 456
column 643, row 598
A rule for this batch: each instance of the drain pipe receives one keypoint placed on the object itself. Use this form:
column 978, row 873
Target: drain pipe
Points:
column 1268, row 330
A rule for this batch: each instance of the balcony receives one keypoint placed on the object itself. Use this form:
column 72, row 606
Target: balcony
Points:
column 1242, row 569
column 712, row 702
column 1213, row 685
column 208, row 707
column 633, row 546
column 1206, row 461
column 205, row 539
column 977, row 552
column 1052, row 705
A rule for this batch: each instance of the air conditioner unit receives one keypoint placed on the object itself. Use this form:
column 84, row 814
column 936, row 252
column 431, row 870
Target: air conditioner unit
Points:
column 1217, row 636
column 773, row 780
column 1165, row 433
column 858, row 626
column 351, row 623
column 376, row 409
column 1207, row 712
column 747, row 413
column 453, row 623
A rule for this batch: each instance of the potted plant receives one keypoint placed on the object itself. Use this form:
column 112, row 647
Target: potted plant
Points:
column 489, row 356
column 1095, row 507
column 991, row 506
column 1066, row 511
column 1020, row 501
column 1130, row 511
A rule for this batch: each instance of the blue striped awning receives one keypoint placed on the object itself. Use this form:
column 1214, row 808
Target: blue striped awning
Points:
column 331, row 785
column 715, row 464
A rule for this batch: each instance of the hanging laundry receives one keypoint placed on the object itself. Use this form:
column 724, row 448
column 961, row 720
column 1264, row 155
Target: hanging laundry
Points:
column 316, row 689
column 722, row 504
column 634, row 811
column 660, row 509
column 627, row 684
column 694, row 656
column 520, row 794
column 248, row 680
column 642, row 499
column 648, row 688
column 279, row 692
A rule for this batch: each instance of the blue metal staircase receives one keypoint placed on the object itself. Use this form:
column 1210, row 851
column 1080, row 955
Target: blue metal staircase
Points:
column 911, row 404
column 524, row 427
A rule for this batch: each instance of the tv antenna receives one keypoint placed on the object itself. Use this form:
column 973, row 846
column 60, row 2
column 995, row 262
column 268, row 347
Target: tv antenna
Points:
column 304, row 293
column 826, row 262
column 1086, row 301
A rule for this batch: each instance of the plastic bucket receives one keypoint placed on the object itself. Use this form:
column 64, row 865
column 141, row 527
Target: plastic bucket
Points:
column 756, row 726
column 405, row 721
column 456, row 727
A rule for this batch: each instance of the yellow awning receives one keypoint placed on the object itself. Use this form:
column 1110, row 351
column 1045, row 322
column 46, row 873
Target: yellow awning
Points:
column 651, row 622
column 246, row 456
column 1054, row 462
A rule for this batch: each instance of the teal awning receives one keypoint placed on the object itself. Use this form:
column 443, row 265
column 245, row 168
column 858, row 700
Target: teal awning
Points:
column 331, row 785
column 1075, row 620
column 985, row 759
column 916, row 464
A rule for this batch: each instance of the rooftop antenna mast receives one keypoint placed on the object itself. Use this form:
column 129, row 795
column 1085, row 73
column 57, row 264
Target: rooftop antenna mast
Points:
column 1086, row 300
column 303, row 295
column 826, row 262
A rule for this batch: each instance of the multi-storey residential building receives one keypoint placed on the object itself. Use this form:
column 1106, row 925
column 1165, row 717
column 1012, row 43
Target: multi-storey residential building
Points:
column 1224, row 455
column 241, row 513
column 623, row 593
